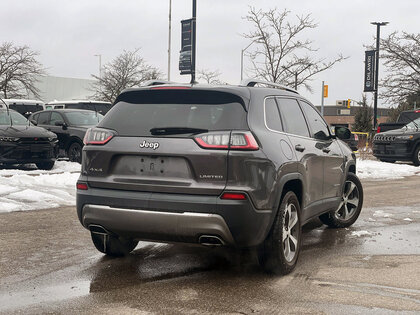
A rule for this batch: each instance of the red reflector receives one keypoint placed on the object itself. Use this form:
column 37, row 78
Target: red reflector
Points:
column 378, row 130
column 233, row 196
column 82, row 186
column 170, row 88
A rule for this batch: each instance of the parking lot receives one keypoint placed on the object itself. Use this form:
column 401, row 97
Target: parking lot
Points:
column 49, row 265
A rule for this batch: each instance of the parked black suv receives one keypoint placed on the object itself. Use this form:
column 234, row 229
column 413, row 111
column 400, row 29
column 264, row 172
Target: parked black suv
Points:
column 22, row 143
column 240, row 166
column 399, row 144
column 70, row 125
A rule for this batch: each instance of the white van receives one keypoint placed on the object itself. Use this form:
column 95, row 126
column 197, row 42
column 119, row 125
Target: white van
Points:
column 25, row 107
column 97, row 106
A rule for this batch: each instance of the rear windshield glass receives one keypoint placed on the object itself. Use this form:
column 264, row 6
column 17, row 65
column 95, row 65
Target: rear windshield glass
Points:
column 83, row 118
column 210, row 113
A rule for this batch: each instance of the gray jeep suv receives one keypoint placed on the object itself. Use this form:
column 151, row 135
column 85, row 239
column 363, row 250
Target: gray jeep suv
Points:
column 241, row 166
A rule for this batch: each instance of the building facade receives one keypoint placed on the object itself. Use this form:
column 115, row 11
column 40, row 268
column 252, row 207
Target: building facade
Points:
column 343, row 116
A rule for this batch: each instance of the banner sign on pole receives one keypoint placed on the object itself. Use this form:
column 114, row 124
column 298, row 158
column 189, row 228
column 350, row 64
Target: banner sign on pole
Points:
column 185, row 65
column 369, row 85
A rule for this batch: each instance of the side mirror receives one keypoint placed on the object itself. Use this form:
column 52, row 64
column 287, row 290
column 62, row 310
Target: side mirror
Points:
column 33, row 122
column 59, row 123
column 342, row 133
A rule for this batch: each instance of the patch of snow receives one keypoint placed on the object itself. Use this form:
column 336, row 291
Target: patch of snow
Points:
column 371, row 220
column 408, row 219
column 32, row 189
column 381, row 213
column 361, row 233
column 369, row 169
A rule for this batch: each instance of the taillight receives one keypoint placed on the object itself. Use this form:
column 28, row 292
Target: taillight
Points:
column 97, row 136
column 224, row 140
column 82, row 186
column 378, row 130
column 233, row 196
column 356, row 137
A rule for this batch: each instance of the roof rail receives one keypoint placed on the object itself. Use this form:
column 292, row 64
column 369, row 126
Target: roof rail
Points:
column 156, row 82
column 253, row 82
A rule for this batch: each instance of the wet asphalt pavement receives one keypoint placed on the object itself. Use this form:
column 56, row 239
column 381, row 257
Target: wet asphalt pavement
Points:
column 48, row 265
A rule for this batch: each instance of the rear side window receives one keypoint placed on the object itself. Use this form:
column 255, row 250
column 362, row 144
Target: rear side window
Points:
column 183, row 109
column 293, row 119
column 318, row 127
column 272, row 116
column 43, row 118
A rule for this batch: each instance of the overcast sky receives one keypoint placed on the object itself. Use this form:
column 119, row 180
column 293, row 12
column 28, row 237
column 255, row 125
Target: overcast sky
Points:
column 68, row 34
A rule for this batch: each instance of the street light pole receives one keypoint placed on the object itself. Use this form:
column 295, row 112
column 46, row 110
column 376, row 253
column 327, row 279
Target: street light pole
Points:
column 242, row 57
column 100, row 65
column 375, row 101
column 194, row 38
column 169, row 41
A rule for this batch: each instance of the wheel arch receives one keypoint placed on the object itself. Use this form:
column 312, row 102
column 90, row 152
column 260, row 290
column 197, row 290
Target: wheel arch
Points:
column 71, row 140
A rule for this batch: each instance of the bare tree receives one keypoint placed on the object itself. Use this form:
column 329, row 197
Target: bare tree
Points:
column 401, row 56
column 281, row 56
column 19, row 69
column 125, row 71
column 210, row 77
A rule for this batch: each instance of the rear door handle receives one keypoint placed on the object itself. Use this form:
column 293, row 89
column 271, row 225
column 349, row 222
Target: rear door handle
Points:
column 299, row 148
column 326, row 150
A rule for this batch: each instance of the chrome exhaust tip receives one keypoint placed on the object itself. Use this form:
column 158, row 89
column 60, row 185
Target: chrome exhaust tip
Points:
column 210, row 240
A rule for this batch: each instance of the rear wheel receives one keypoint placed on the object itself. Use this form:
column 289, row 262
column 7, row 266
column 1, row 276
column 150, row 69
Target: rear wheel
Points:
column 350, row 206
column 416, row 156
column 45, row 165
column 113, row 245
column 279, row 252
column 74, row 152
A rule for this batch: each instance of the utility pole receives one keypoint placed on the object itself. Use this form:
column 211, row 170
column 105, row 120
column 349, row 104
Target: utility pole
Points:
column 194, row 27
column 375, row 101
column 169, row 41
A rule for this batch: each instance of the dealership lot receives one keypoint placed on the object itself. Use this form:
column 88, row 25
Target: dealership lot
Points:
column 49, row 265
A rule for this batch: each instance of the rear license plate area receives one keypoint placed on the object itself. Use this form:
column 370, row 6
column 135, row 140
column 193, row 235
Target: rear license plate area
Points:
column 152, row 165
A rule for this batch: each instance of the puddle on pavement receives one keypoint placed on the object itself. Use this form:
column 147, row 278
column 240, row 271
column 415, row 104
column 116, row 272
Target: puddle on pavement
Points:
column 38, row 295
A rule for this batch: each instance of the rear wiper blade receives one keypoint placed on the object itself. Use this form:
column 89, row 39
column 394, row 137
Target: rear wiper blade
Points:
column 175, row 130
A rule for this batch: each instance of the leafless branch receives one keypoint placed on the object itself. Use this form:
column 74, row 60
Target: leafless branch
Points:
column 19, row 70
column 281, row 55
column 125, row 71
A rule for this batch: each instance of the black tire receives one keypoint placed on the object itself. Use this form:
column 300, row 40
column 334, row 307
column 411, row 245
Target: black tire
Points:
column 416, row 156
column 273, row 255
column 74, row 152
column 113, row 245
column 350, row 206
column 45, row 165
column 387, row 161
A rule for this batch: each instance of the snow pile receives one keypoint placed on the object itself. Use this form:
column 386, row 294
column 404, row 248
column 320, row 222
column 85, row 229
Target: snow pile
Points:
column 36, row 189
column 31, row 169
column 361, row 233
column 368, row 169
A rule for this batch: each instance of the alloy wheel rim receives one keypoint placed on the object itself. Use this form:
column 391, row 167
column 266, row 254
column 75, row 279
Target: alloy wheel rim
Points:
column 349, row 202
column 290, row 232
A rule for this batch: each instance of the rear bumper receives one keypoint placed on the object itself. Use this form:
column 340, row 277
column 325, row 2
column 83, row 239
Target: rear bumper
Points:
column 157, row 224
column 173, row 217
